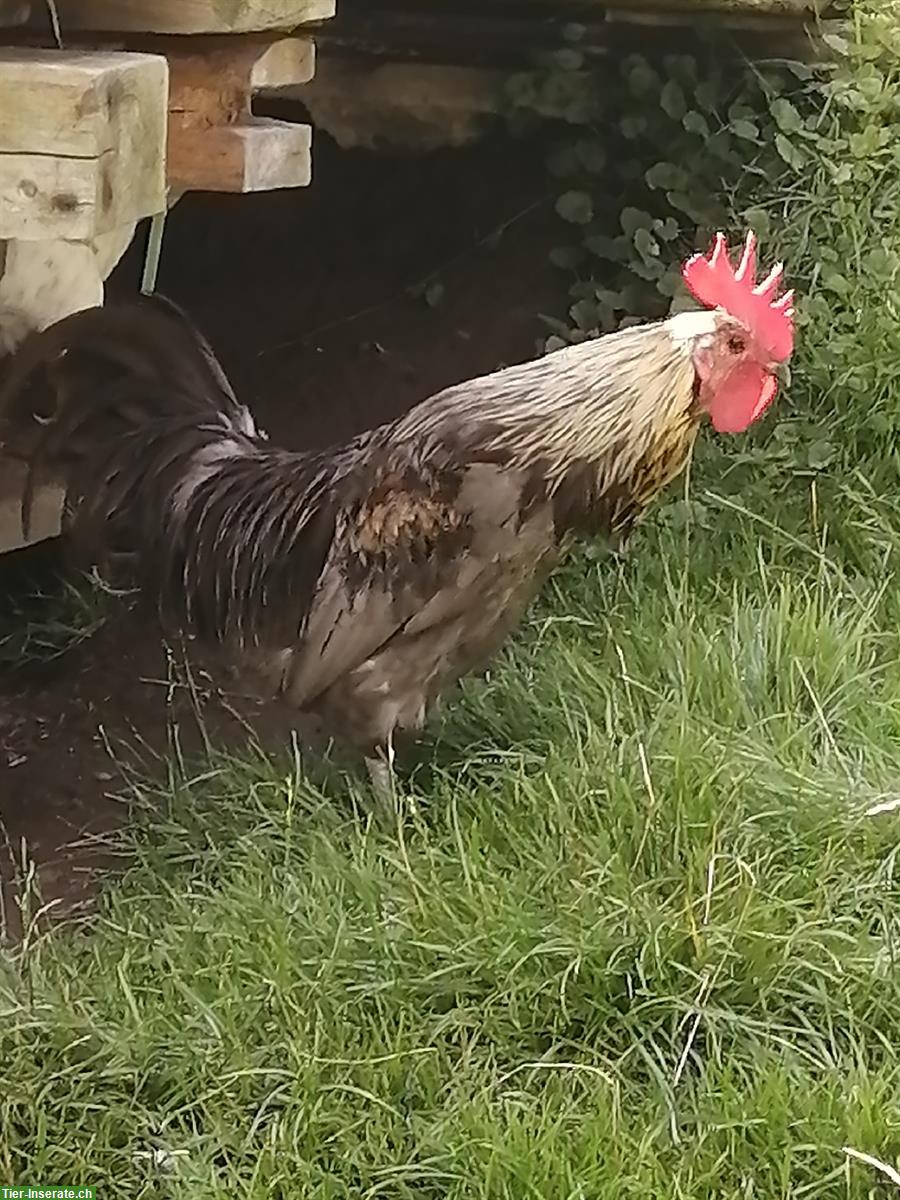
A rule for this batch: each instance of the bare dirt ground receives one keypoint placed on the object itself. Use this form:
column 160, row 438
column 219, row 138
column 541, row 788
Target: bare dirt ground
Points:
column 306, row 297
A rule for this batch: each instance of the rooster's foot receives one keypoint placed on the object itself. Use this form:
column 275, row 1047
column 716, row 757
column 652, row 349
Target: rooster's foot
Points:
column 381, row 773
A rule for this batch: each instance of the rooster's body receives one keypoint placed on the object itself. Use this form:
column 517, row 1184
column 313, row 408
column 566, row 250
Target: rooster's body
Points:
column 360, row 581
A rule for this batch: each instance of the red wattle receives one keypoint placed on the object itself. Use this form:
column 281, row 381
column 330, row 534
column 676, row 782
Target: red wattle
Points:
column 742, row 398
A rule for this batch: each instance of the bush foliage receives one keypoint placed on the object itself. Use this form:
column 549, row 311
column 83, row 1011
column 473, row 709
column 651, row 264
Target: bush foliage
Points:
column 661, row 151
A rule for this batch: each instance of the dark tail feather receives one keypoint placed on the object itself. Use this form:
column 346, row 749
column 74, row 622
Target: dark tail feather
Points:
column 127, row 405
column 116, row 401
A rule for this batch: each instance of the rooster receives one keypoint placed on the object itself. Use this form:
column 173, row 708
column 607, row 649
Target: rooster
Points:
column 362, row 581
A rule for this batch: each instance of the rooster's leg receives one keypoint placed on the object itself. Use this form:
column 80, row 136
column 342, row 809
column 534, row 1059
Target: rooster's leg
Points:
column 381, row 772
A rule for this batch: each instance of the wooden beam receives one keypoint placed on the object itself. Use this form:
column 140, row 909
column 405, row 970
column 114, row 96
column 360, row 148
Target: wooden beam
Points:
column 46, row 514
column 42, row 196
column 215, row 143
column 285, row 63
column 82, row 141
column 256, row 155
column 361, row 102
column 190, row 16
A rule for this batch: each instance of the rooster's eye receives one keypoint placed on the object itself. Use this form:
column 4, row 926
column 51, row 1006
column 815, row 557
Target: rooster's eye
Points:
column 736, row 344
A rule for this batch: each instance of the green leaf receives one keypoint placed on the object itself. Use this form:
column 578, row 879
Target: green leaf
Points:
column 842, row 174
column 799, row 70
column 820, row 454
column 882, row 263
column 683, row 202
column 682, row 300
column 759, row 221
column 738, row 110
column 837, row 44
column 786, row 116
column 560, row 328
column 667, row 229
column 573, row 31
column 665, row 175
column 584, row 314
column 747, row 131
column 646, row 244
column 554, row 342
column 647, row 268
column 789, row 152
column 669, row 283
column 834, row 281
column 672, row 100
column 575, row 207
column 610, row 298
column 633, row 219
column 695, row 122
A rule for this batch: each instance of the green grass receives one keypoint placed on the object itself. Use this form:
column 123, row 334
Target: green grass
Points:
column 634, row 937
column 46, row 624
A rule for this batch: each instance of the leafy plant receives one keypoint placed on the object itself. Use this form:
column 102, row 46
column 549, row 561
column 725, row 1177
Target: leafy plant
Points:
column 670, row 140
column 658, row 153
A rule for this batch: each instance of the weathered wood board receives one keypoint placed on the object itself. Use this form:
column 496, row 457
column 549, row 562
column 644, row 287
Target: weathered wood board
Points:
column 46, row 514
column 215, row 142
column 190, row 16
column 82, row 141
column 257, row 156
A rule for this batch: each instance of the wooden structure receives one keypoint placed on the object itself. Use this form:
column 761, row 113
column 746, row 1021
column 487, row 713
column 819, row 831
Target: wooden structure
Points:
column 416, row 75
column 82, row 141
column 148, row 99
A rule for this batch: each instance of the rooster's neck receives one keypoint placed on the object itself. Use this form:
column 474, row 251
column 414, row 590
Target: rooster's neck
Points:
column 603, row 450
column 595, row 429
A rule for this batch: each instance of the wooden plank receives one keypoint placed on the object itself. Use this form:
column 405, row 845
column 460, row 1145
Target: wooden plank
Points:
column 46, row 197
column 190, row 16
column 419, row 106
column 255, row 156
column 276, row 154
column 218, row 76
column 46, row 513
column 215, row 143
column 70, row 102
column 287, row 62
column 82, row 141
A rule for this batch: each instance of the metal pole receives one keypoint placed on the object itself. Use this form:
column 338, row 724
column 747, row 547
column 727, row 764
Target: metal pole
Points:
column 154, row 249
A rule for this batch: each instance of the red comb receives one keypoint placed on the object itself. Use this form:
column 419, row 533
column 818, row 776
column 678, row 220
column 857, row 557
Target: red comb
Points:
column 715, row 283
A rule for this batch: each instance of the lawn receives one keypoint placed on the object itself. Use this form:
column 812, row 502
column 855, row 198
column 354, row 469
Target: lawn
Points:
column 633, row 934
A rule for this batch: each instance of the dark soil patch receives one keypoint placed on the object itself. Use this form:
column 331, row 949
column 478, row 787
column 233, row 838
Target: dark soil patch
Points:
column 305, row 296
